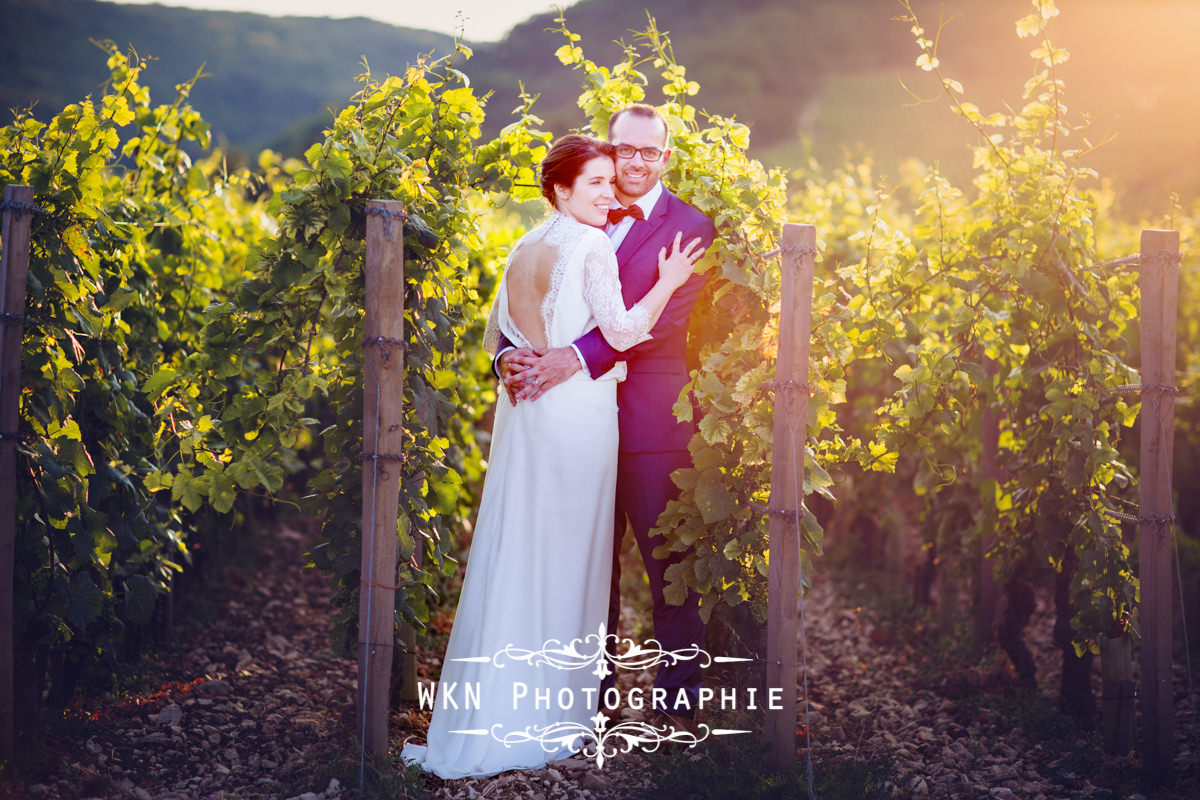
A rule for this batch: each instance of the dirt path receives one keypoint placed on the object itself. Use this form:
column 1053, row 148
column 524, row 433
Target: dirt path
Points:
column 242, row 704
column 247, row 703
column 952, row 725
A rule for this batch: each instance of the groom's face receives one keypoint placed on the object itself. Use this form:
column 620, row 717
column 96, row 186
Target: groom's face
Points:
column 636, row 175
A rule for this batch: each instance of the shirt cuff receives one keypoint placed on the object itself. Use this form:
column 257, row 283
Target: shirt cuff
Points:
column 582, row 361
column 496, row 359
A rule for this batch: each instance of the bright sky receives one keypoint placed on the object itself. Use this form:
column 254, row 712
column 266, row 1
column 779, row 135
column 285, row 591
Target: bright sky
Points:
column 480, row 20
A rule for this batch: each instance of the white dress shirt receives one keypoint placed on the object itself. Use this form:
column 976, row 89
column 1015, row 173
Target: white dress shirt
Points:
column 617, row 233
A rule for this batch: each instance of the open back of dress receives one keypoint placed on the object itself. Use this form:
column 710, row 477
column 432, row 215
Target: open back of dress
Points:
column 562, row 280
column 528, row 285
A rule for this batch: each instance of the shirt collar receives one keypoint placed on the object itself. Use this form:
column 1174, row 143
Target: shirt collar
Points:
column 647, row 201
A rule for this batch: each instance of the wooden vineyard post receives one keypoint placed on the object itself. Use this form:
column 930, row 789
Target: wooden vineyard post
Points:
column 787, row 480
column 989, row 590
column 1117, row 693
column 1159, row 284
column 383, row 417
column 14, row 268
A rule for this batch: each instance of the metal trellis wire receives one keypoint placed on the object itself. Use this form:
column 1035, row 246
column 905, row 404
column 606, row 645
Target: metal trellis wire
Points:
column 20, row 209
column 790, row 250
column 387, row 215
column 1156, row 258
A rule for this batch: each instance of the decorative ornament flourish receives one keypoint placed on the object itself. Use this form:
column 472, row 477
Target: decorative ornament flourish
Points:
column 601, row 742
column 577, row 654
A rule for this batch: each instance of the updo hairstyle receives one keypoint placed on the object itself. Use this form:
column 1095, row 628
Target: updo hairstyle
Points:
column 565, row 161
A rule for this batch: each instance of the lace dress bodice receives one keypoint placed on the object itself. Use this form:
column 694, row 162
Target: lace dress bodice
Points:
column 584, row 289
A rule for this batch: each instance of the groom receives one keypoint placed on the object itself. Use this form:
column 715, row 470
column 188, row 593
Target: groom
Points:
column 653, row 444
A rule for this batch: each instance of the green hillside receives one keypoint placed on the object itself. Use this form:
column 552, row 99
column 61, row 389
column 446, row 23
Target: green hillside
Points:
column 1134, row 72
column 836, row 76
column 819, row 76
column 264, row 73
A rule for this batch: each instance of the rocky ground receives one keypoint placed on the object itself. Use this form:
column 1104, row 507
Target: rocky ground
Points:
column 952, row 725
column 246, row 703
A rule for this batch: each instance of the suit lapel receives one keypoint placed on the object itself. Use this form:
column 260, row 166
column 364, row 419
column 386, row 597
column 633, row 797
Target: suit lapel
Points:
column 644, row 229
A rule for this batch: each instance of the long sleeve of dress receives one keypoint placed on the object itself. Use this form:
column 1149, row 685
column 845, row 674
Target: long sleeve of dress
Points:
column 492, row 333
column 622, row 328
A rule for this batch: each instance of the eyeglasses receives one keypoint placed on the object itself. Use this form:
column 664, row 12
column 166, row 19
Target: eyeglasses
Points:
column 649, row 154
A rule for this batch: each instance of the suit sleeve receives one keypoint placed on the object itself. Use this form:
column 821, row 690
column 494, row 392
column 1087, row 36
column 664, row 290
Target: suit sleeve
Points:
column 600, row 356
column 504, row 344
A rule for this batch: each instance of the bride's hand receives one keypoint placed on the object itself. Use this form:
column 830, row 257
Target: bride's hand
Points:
column 675, row 266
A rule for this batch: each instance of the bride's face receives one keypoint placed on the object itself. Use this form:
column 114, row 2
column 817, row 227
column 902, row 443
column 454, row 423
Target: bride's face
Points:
column 589, row 197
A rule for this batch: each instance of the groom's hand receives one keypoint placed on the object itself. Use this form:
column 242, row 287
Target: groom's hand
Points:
column 544, row 373
column 511, row 364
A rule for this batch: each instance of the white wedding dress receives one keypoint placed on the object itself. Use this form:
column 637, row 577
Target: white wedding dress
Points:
column 541, row 557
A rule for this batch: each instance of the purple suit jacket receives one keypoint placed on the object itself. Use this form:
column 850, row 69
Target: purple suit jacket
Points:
column 658, row 367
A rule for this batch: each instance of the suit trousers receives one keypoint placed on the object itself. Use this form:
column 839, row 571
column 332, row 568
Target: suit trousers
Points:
column 644, row 488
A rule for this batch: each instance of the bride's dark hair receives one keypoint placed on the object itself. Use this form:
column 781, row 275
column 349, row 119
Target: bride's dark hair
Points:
column 566, row 158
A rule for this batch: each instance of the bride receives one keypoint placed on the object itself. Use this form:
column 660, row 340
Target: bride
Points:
column 539, row 567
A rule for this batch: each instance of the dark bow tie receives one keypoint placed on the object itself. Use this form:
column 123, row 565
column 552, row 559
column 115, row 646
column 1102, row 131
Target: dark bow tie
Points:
column 615, row 215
